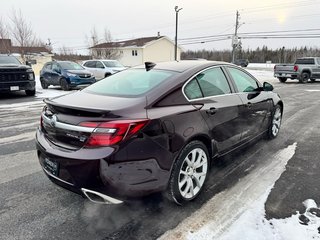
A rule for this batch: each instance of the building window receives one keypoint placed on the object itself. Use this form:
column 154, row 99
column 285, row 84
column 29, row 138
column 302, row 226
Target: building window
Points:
column 134, row 53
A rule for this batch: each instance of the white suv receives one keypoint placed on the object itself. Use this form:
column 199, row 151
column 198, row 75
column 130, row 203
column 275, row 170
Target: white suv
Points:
column 102, row 68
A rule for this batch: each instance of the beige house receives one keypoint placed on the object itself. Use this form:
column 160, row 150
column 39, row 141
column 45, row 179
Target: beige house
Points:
column 137, row 51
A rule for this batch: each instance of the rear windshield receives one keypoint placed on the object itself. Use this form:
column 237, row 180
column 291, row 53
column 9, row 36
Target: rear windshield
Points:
column 305, row 61
column 131, row 82
column 9, row 60
column 70, row 66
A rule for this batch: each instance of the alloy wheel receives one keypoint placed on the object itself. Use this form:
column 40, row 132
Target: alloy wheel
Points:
column 193, row 173
column 276, row 121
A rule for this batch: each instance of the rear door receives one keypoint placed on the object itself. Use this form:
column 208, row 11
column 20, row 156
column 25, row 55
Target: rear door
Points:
column 254, row 112
column 220, row 110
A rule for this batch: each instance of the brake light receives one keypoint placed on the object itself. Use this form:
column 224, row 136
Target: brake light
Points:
column 296, row 68
column 113, row 132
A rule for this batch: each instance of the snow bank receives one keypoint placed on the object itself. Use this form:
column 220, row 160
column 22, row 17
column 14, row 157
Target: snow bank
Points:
column 238, row 213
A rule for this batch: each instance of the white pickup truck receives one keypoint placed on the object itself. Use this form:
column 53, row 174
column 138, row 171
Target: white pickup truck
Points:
column 303, row 69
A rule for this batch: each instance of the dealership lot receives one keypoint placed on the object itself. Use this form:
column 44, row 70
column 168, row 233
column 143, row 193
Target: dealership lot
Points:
column 31, row 207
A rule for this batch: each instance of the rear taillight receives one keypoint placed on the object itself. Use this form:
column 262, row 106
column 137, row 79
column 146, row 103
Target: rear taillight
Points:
column 295, row 68
column 113, row 132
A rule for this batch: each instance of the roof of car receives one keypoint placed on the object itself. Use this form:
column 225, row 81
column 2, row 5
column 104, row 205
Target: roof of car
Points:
column 184, row 65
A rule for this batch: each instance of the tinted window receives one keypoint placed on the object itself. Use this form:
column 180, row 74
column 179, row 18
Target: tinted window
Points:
column 91, row 64
column 213, row 82
column 132, row 82
column 243, row 81
column 99, row 65
column 48, row 66
column 192, row 90
column 306, row 61
column 55, row 67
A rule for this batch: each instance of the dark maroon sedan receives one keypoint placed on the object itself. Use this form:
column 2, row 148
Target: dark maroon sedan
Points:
column 153, row 128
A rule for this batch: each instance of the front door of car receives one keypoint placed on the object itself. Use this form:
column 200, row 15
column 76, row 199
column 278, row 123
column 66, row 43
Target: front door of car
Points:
column 256, row 104
column 220, row 110
column 55, row 74
column 100, row 70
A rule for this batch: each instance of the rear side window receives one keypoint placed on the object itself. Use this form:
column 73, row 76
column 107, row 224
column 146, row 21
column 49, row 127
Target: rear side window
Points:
column 132, row 82
column 192, row 90
column 306, row 61
column 48, row 66
column 243, row 81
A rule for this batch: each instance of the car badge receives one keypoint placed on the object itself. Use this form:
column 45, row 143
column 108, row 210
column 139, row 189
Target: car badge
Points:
column 53, row 121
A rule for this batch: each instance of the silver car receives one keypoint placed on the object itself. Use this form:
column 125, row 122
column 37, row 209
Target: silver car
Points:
column 102, row 68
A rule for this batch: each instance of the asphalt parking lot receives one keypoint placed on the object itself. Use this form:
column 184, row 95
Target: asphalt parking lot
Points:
column 31, row 207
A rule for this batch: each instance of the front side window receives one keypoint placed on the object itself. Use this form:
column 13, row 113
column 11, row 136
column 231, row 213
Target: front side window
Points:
column 243, row 81
column 99, row 65
column 132, row 82
column 91, row 64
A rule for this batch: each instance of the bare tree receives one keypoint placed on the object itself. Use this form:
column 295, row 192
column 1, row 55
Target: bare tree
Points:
column 22, row 33
column 110, row 52
column 4, row 35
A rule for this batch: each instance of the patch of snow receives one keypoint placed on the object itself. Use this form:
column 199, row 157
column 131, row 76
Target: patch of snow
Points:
column 312, row 90
column 52, row 91
column 17, row 138
column 238, row 213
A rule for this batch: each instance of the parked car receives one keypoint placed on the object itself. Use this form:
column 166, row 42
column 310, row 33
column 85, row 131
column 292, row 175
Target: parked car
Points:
column 153, row 128
column 103, row 68
column 242, row 62
column 15, row 76
column 66, row 74
column 303, row 69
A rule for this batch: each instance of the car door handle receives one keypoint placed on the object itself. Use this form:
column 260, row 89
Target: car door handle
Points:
column 211, row 111
column 249, row 105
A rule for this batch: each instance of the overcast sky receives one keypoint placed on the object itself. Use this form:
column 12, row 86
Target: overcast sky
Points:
column 67, row 22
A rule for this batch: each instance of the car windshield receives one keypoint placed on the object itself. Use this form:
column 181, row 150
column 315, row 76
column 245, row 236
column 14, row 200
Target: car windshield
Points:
column 130, row 83
column 70, row 66
column 9, row 60
column 112, row 64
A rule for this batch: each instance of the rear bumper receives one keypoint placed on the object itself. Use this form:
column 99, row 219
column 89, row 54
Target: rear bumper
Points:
column 10, row 86
column 286, row 75
column 117, row 179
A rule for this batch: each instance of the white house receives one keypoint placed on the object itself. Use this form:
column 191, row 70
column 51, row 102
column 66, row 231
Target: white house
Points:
column 137, row 51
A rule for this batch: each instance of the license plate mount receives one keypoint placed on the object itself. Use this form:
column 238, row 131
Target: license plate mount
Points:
column 14, row 88
column 51, row 166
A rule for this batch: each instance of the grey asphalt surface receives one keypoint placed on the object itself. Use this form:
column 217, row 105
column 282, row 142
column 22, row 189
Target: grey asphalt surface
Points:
column 31, row 207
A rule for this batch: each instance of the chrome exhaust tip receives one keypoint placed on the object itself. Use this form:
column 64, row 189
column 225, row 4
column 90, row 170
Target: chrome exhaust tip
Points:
column 100, row 198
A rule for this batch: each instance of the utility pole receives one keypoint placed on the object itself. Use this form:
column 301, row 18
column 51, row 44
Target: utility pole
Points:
column 235, row 37
column 177, row 9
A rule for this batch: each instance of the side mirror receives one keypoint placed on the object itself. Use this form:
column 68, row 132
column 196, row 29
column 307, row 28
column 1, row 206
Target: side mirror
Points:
column 31, row 62
column 57, row 70
column 267, row 86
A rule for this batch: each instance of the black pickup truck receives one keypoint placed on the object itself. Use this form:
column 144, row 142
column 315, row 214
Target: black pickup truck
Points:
column 14, row 76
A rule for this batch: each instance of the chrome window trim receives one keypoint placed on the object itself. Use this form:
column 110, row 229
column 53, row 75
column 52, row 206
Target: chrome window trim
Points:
column 66, row 126
column 208, row 68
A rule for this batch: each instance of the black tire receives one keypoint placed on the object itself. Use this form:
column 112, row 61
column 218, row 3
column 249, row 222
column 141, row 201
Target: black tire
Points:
column 64, row 84
column 304, row 77
column 282, row 79
column 275, row 124
column 312, row 79
column 190, row 177
column 30, row 92
column 44, row 84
